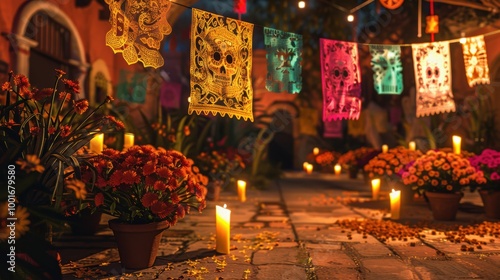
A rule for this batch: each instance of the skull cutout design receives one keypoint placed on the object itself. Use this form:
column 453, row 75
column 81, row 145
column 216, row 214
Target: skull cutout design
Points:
column 341, row 79
column 222, row 61
column 476, row 62
column 433, row 78
column 387, row 69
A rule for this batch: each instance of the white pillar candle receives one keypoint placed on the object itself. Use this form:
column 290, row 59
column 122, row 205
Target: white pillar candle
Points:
column 316, row 151
column 309, row 168
column 338, row 169
column 375, row 188
column 395, row 204
column 242, row 190
column 412, row 146
column 457, row 142
column 222, row 229
column 128, row 140
column 385, row 148
column 97, row 143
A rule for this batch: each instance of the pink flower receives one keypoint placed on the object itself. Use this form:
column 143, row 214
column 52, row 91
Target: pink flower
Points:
column 495, row 176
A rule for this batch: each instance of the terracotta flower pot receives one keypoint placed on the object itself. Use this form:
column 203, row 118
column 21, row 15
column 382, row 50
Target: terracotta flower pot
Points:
column 137, row 243
column 491, row 202
column 444, row 206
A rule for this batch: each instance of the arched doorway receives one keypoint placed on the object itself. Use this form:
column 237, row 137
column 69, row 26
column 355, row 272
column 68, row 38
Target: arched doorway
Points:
column 281, row 147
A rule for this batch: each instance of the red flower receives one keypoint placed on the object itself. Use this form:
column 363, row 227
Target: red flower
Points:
column 71, row 85
column 175, row 198
column 99, row 199
column 65, row 130
column 52, row 130
column 149, row 199
column 34, row 130
column 130, row 177
column 149, row 168
column 81, row 106
column 42, row 93
column 6, row 86
column 164, row 172
column 60, row 73
column 160, row 186
column 162, row 209
column 150, row 180
column 63, row 96
column 116, row 178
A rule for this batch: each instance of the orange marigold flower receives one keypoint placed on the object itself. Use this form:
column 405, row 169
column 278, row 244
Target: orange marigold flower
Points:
column 60, row 73
column 434, row 182
column 51, row 130
column 6, row 86
column 42, row 93
column 160, row 208
column 164, row 172
column 149, row 168
column 65, row 130
column 34, row 130
column 449, row 188
column 175, row 198
column 71, row 85
column 148, row 199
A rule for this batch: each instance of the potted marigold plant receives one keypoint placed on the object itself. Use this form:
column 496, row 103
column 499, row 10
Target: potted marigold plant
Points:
column 351, row 160
column 442, row 177
column 488, row 164
column 220, row 167
column 147, row 190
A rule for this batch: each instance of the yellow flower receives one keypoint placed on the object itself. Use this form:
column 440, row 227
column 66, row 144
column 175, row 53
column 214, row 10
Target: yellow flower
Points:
column 78, row 187
column 31, row 163
column 22, row 222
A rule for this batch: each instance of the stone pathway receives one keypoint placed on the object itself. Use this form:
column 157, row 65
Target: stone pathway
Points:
column 308, row 227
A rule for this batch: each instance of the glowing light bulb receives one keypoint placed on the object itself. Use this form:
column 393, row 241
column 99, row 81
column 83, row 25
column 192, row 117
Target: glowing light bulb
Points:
column 350, row 18
column 302, row 4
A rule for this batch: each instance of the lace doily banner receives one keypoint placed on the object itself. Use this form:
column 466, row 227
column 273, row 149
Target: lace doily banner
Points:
column 221, row 66
column 137, row 29
column 333, row 129
column 132, row 87
column 476, row 62
column 341, row 80
column 170, row 95
column 284, row 57
column 431, row 62
column 387, row 69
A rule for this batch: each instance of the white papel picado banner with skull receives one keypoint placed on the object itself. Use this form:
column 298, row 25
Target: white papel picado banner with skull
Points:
column 341, row 80
column 431, row 62
column 221, row 66
column 476, row 61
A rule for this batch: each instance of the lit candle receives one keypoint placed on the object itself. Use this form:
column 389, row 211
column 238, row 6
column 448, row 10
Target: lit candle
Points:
column 316, row 151
column 412, row 146
column 304, row 165
column 242, row 188
column 222, row 225
column 457, row 144
column 128, row 141
column 337, row 168
column 375, row 188
column 385, row 148
column 395, row 204
column 309, row 168
column 97, row 143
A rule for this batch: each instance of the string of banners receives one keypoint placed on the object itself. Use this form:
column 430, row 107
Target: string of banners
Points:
column 221, row 63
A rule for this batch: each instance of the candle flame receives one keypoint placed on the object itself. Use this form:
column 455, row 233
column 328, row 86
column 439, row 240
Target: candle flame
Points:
column 225, row 206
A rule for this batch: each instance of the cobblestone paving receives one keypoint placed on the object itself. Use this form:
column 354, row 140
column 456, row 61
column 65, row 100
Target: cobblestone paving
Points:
column 308, row 227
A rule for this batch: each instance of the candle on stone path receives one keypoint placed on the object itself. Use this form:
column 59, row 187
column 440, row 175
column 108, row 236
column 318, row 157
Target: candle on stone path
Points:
column 97, row 143
column 375, row 188
column 316, row 151
column 395, row 204
column 412, row 146
column 385, row 148
column 128, row 140
column 222, row 229
column 309, row 168
column 337, row 168
column 242, row 189
column 457, row 142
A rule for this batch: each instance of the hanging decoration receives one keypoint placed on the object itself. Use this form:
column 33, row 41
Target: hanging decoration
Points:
column 432, row 26
column 333, row 129
column 170, row 95
column 137, row 29
column 221, row 66
column 391, row 4
column 341, row 80
column 308, row 121
column 387, row 69
column 240, row 6
column 476, row 62
column 284, row 57
column 132, row 87
column 433, row 78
